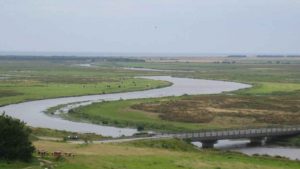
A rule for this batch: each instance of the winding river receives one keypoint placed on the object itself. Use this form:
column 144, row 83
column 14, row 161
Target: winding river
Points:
column 32, row 112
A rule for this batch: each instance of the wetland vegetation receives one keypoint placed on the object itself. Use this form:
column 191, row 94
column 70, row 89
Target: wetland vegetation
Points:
column 274, row 99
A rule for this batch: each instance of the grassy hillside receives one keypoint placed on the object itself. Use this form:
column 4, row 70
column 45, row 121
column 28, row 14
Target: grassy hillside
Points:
column 150, row 155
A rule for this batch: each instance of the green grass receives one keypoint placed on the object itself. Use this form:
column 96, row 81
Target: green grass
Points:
column 27, row 80
column 168, row 144
column 187, row 161
column 272, row 88
column 30, row 90
column 18, row 165
column 49, row 133
column 153, row 155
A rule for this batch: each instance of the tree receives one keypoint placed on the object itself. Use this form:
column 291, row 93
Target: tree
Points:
column 14, row 139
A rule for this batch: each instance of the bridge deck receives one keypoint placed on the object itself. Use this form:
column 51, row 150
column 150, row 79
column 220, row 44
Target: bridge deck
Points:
column 237, row 134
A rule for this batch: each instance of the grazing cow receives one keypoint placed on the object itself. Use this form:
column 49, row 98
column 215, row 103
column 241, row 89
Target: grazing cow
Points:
column 57, row 153
column 42, row 153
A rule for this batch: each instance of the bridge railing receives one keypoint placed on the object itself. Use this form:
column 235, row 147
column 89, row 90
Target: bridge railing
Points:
column 236, row 132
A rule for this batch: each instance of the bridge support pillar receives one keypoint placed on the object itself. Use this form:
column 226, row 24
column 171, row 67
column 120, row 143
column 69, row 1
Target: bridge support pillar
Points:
column 257, row 141
column 208, row 143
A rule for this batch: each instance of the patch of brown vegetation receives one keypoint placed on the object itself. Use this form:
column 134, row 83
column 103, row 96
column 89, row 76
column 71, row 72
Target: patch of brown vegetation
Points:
column 281, row 109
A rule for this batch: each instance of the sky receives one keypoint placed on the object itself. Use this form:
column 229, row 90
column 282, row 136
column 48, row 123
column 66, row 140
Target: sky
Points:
column 151, row 26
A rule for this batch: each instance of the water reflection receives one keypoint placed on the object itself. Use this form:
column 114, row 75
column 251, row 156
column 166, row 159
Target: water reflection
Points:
column 243, row 146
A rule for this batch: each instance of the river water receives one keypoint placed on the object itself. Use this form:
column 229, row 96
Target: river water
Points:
column 155, row 70
column 32, row 112
column 243, row 147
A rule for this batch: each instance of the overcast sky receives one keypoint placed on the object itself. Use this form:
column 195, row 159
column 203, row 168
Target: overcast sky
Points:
column 156, row 26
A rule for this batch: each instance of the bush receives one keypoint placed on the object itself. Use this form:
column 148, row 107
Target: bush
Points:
column 140, row 128
column 14, row 140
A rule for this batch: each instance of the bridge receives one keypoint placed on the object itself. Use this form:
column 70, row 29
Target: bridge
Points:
column 256, row 135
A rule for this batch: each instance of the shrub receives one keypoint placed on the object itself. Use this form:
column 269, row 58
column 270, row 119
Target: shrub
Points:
column 140, row 127
column 14, row 139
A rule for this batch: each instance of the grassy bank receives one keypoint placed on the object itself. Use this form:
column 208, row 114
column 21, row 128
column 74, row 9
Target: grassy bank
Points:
column 151, row 155
column 60, row 135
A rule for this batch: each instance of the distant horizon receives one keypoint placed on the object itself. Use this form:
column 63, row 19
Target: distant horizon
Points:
column 133, row 54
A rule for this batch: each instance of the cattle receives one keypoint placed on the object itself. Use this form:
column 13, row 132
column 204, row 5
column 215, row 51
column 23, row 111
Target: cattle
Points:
column 56, row 154
column 42, row 153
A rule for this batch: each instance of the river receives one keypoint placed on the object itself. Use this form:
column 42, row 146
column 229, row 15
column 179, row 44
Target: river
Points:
column 31, row 112
column 243, row 147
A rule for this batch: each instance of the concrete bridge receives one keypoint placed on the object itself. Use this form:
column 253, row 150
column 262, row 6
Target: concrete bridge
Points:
column 256, row 135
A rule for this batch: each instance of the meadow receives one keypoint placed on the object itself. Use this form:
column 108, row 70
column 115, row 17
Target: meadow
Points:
column 25, row 80
column 163, row 154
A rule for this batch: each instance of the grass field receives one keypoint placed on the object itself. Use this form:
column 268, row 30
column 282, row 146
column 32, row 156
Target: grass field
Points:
column 255, row 71
column 35, row 79
column 195, row 112
column 149, row 155
column 33, row 90
column 269, row 88
column 121, row 114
